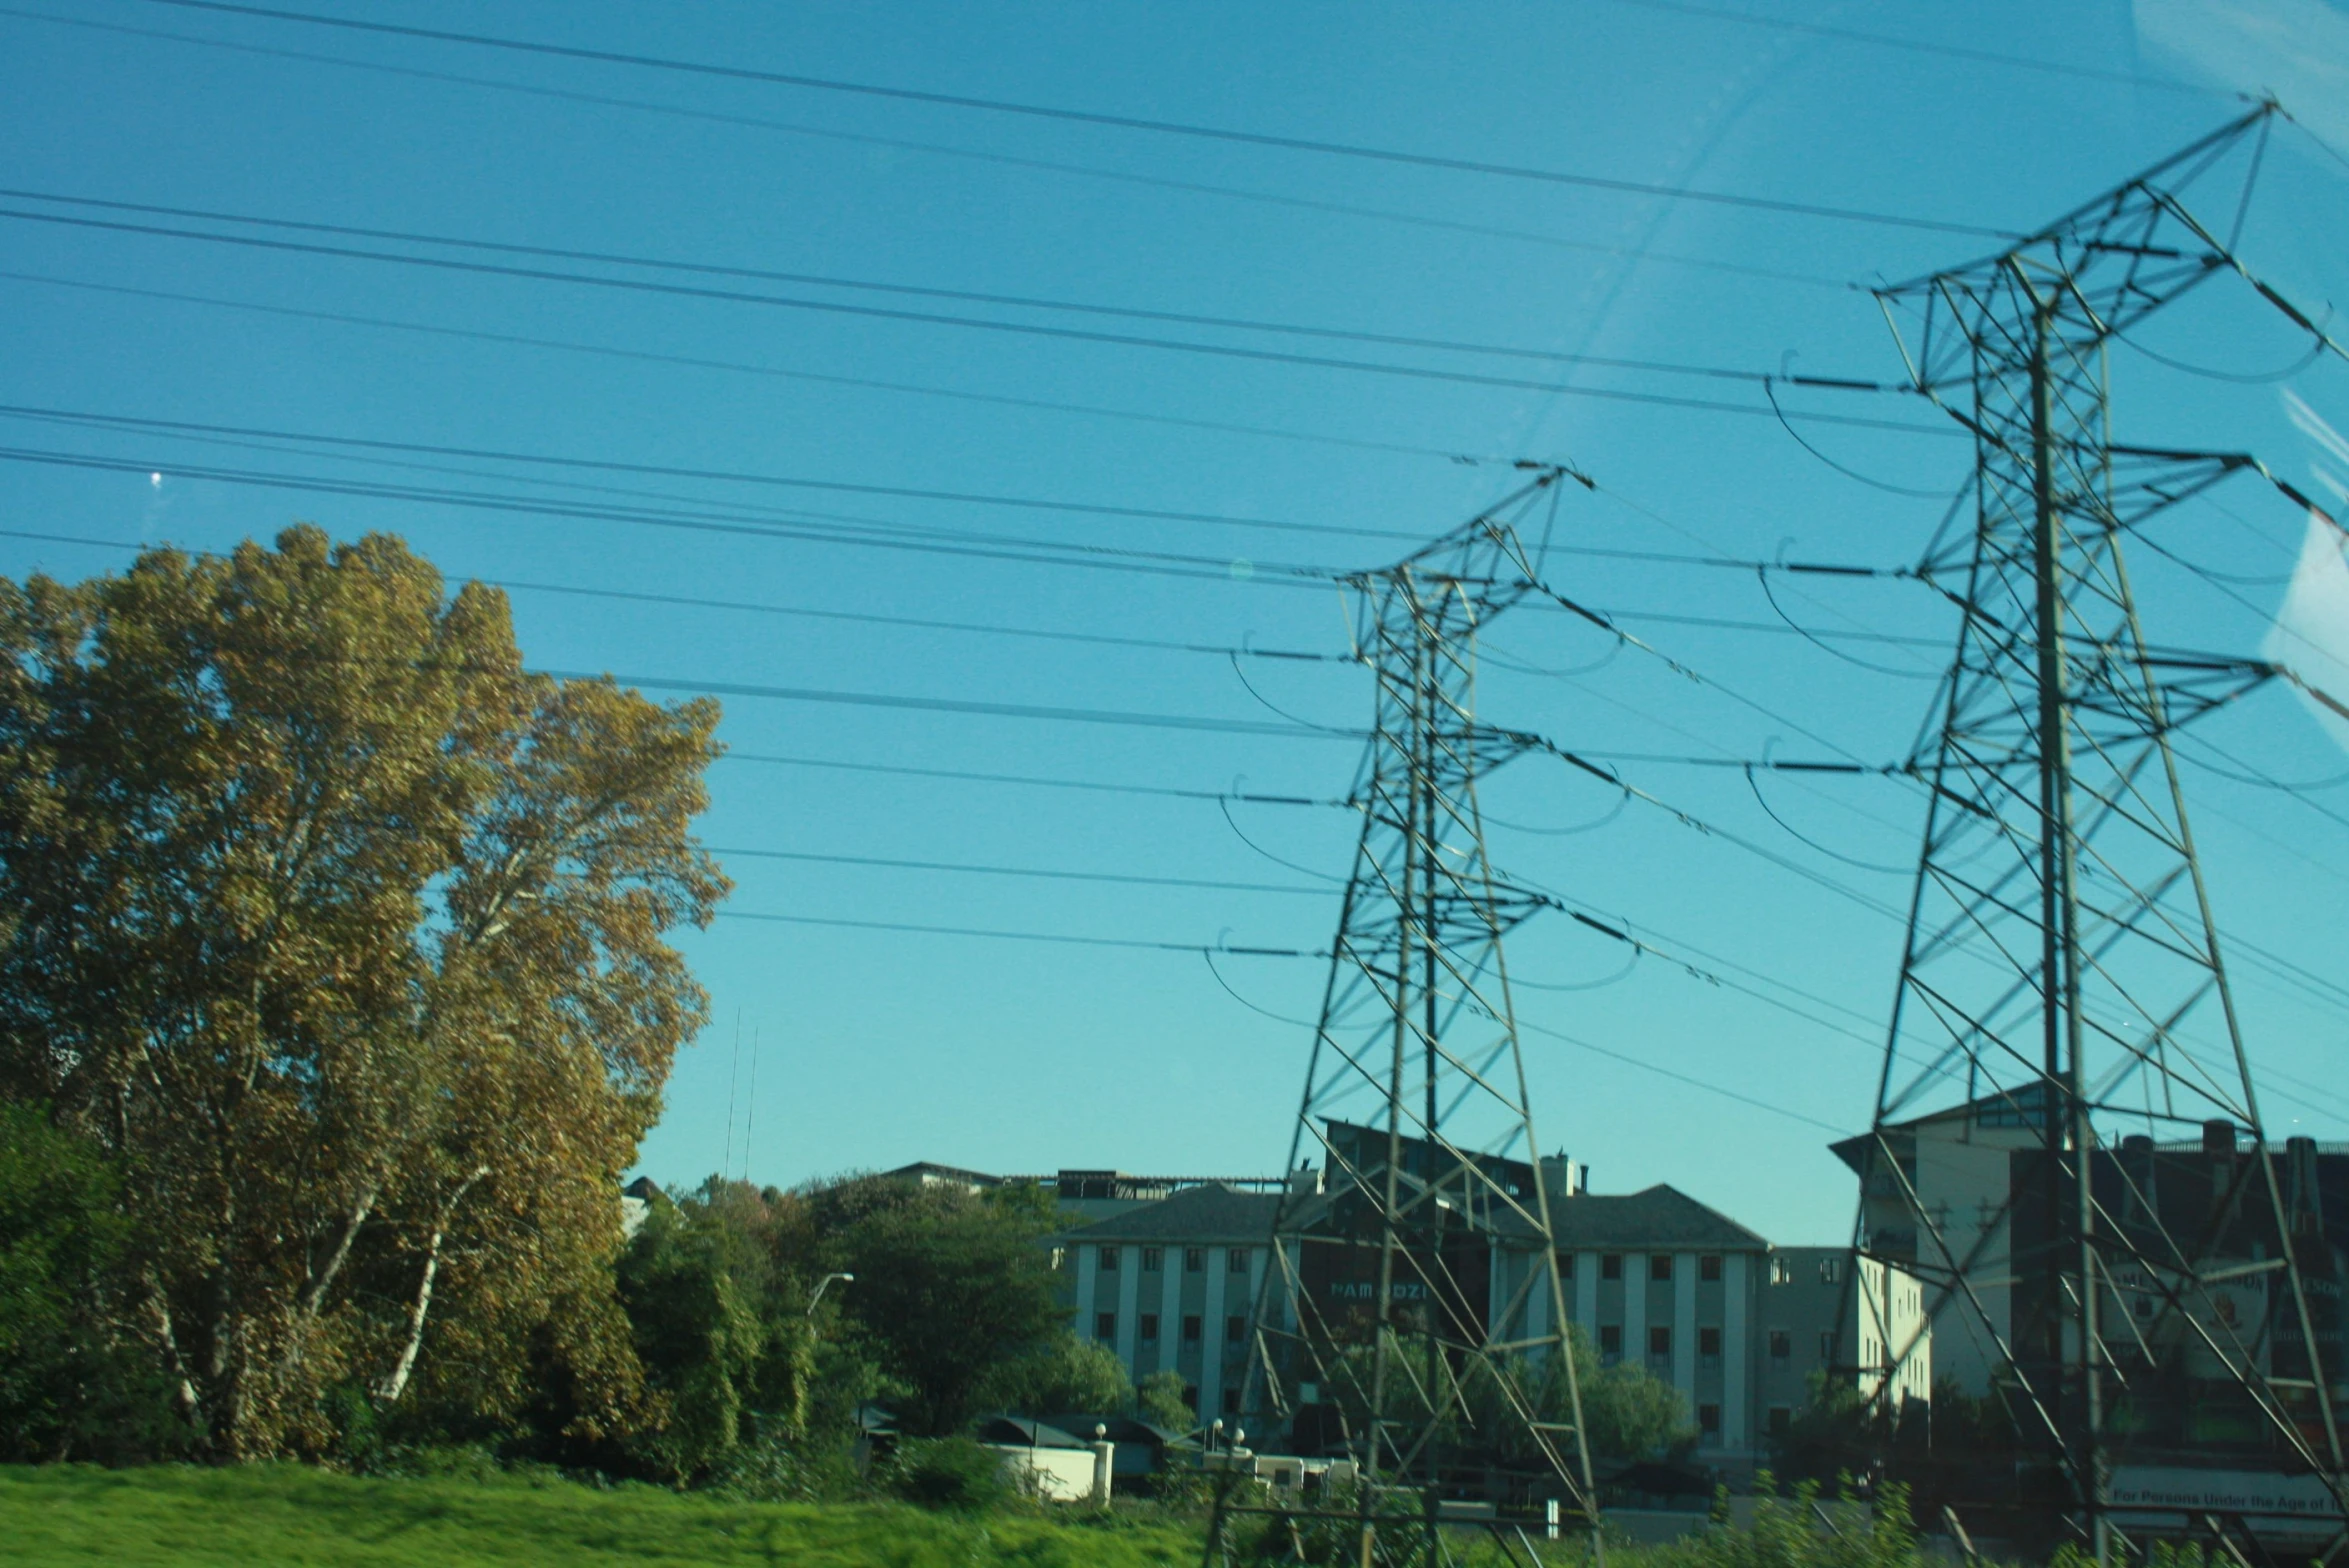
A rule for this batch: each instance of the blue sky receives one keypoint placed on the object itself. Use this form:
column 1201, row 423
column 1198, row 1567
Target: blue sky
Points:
column 876, row 1047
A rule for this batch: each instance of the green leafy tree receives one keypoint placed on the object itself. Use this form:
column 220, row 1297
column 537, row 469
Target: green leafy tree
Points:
column 343, row 936
column 1158, row 1399
column 1063, row 1374
column 950, row 1288
column 72, row 1381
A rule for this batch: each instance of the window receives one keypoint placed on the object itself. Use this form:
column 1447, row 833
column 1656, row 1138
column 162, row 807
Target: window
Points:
column 1610, row 1265
column 1659, row 1340
column 1153, row 1259
column 1781, row 1270
column 1059, row 1256
column 1149, row 1327
column 1109, row 1260
column 1830, row 1270
column 1231, row 1401
column 1565, row 1265
column 1105, row 1325
column 1709, row 1420
column 2145, row 1306
column 1237, row 1263
column 1660, row 1265
column 1709, row 1268
column 1610, row 1340
column 1827, row 1347
column 1235, row 1330
column 1781, row 1419
column 1190, row 1328
column 1781, row 1346
column 1194, row 1260
column 1709, row 1346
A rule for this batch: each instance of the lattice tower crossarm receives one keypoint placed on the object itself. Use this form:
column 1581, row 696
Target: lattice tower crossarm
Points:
column 1383, row 1326
column 2062, row 982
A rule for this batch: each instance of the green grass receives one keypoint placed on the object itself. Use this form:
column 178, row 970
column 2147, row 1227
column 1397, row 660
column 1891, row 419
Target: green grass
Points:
column 286, row 1516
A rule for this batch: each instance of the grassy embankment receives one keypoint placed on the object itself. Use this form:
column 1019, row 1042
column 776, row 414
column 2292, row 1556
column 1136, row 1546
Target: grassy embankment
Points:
column 285, row 1516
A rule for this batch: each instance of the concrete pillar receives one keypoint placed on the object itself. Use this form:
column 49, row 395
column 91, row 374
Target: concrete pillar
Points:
column 1211, row 1339
column 1635, row 1308
column 1129, row 1295
column 1170, row 1308
column 1736, row 1350
column 1102, row 1455
column 1088, row 1281
column 1684, row 1332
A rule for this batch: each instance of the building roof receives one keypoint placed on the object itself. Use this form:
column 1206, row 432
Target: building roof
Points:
column 1660, row 1217
column 1213, row 1212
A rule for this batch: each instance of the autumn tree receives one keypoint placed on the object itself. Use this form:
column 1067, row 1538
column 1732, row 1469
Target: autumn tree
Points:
column 344, row 938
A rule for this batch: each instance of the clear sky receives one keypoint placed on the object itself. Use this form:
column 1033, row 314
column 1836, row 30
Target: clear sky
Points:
column 875, row 1047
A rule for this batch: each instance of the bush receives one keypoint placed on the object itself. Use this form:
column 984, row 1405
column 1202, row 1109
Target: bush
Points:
column 949, row 1472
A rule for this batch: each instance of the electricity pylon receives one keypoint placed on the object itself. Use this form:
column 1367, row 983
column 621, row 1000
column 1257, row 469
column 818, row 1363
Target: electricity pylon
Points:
column 2062, row 985
column 1412, row 1313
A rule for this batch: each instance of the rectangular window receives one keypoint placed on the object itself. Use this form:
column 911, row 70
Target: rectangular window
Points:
column 1659, row 1340
column 1709, row 1420
column 1781, row 1419
column 1148, row 1324
column 1781, row 1346
column 1237, row 1263
column 1709, row 1346
column 1194, row 1260
column 1660, row 1265
column 1105, row 1325
column 1610, row 1265
column 1709, row 1268
column 1610, row 1340
column 1231, row 1401
column 1565, row 1265
column 1830, row 1270
column 1109, row 1260
column 1235, row 1330
column 1190, row 1328
column 1781, row 1270
column 1059, row 1256
column 1153, row 1259
column 1827, row 1347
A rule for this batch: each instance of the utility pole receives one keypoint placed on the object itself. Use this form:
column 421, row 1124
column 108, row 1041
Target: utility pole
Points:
column 2061, row 965
column 1412, row 1305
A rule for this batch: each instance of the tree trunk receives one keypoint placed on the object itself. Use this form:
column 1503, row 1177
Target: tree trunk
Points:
column 395, row 1383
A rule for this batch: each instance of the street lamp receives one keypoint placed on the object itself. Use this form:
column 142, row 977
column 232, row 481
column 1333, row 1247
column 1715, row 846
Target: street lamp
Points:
column 823, row 1285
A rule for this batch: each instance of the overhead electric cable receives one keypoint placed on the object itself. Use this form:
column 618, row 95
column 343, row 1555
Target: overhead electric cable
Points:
column 1091, row 117
column 575, row 255
column 1019, row 936
column 1922, row 46
column 976, row 323
column 970, row 154
column 739, row 367
column 1032, row 781
column 1124, row 878
column 873, row 536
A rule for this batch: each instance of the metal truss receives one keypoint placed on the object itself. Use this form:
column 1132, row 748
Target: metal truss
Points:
column 2063, row 1005
column 1412, row 1315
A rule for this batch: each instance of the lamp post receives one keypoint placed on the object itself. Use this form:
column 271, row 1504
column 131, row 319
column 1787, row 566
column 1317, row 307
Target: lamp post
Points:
column 823, row 1285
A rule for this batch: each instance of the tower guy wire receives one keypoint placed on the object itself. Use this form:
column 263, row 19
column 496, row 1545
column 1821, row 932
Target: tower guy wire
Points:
column 2103, row 1233
column 1410, row 1313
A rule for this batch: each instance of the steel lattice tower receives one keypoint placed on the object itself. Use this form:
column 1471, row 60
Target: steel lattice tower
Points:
column 1383, row 1320
column 2062, row 985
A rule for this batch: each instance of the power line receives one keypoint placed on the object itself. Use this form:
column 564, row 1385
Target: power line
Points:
column 718, row 475
column 1089, row 117
column 909, row 927
column 1164, row 563
column 1029, row 780
column 1121, row 878
column 738, row 367
column 975, row 323
column 1007, row 160
column 575, row 255
column 1919, row 46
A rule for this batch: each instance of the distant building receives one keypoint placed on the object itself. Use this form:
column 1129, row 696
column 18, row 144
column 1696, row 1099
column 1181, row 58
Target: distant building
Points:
column 1738, row 1326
